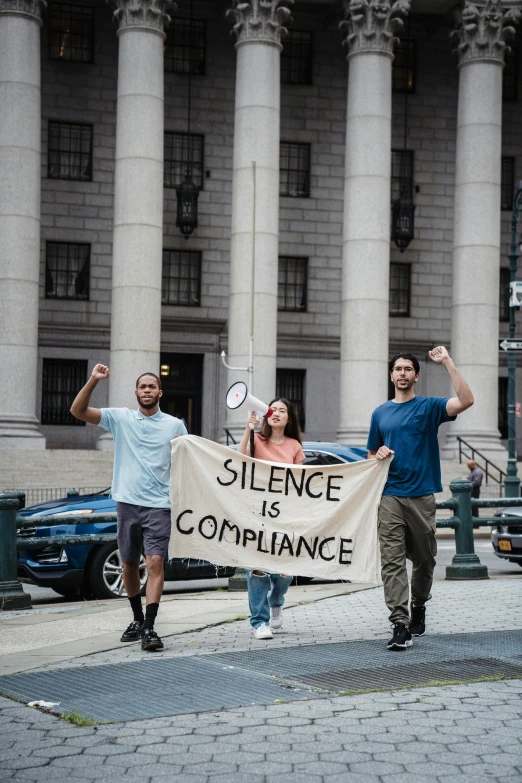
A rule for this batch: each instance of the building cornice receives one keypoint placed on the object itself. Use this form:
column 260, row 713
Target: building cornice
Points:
column 260, row 20
column 370, row 26
column 482, row 30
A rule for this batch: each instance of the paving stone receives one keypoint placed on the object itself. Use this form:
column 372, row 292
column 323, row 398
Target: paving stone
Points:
column 376, row 768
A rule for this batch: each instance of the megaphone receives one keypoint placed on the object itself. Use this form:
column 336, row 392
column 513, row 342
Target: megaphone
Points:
column 239, row 396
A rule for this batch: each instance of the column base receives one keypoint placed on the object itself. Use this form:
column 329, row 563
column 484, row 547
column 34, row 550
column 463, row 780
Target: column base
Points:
column 12, row 596
column 18, row 432
column 487, row 443
column 466, row 567
column 353, row 436
column 105, row 442
column 238, row 581
column 235, row 431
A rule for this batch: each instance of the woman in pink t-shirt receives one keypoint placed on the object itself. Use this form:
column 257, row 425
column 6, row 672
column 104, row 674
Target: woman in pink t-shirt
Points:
column 278, row 441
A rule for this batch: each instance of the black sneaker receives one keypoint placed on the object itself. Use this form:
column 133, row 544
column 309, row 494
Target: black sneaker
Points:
column 132, row 633
column 418, row 621
column 401, row 639
column 150, row 640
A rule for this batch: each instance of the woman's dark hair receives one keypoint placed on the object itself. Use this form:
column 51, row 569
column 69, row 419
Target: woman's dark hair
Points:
column 292, row 429
column 409, row 357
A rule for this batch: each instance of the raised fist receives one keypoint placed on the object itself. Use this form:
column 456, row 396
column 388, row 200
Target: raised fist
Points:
column 100, row 372
column 439, row 354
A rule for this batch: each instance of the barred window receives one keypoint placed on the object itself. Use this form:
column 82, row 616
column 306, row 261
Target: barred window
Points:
column 291, row 384
column 510, row 77
column 185, row 47
column 71, row 32
column 62, row 380
column 503, row 407
column 67, row 270
column 294, row 169
column 401, row 173
column 507, row 183
column 296, row 58
column 181, row 278
column 400, row 288
column 504, row 294
column 69, row 151
column 292, row 283
column 403, row 70
column 182, row 152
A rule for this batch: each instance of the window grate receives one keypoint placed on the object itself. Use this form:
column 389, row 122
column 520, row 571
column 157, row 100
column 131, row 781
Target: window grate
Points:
column 185, row 47
column 401, row 174
column 505, row 279
column 71, row 32
column 182, row 152
column 294, row 169
column 67, row 270
column 403, row 69
column 69, row 151
column 507, row 183
column 510, row 77
column 62, row 380
column 400, row 289
column 291, row 384
column 296, row 58
column 292, row 283
column 181, row 283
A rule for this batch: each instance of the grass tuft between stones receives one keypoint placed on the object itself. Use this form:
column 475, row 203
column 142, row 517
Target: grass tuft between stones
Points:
column 430, row 684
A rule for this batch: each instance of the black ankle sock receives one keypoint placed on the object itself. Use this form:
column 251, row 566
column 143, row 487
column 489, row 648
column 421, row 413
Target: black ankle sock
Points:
column 137, row 608
column 150, row 615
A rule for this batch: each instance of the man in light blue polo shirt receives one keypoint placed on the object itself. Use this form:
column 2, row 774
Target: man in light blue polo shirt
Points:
column 140, row 487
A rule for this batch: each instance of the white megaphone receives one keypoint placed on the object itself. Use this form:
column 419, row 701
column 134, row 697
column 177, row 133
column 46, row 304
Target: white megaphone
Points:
column 239, row 396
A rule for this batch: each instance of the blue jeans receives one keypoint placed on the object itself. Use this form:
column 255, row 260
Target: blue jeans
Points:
column 263, row 592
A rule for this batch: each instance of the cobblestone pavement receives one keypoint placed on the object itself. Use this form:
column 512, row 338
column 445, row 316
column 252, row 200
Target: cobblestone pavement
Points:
column 462, row 733
column 456, row 607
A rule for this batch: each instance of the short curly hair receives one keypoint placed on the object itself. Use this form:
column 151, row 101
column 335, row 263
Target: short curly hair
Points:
column 409, row 356
column 152, row 374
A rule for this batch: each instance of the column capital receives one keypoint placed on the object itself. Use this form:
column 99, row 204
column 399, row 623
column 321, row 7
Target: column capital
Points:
column 370, row 25
column 149, row 15
column 260, row 20
column 482, row 29
column 32, row 9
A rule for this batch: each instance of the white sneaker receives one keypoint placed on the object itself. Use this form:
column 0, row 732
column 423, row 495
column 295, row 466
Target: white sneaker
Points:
column 276, row 618
column 263, row 632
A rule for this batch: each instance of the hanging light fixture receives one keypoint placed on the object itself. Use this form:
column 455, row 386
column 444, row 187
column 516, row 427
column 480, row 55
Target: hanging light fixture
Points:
column 188, row 192
column 403, row 208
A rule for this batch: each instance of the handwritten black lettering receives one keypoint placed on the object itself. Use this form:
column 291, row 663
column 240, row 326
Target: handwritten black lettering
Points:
column 330, row 487
column 178, row 520
column 343, row 551
column 260, row 542
column 321, row 545
column 312, row 551
column 308, row 481
column 230, row 470
column 213, row 526
column 252, row 477
column 298, row 487
column 286, row 544
column 249, row 535
column 233, row 528
column 274, row 480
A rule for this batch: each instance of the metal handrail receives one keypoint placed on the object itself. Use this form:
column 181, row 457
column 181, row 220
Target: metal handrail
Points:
column 488, row 464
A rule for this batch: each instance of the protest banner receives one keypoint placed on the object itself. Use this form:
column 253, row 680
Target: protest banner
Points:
column 317, row 521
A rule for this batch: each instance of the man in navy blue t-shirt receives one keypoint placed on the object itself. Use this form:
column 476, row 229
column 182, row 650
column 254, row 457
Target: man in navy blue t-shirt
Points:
column 405, row 428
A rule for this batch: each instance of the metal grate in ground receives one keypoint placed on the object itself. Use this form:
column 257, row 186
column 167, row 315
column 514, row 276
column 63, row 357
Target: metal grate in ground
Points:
column 172, row 686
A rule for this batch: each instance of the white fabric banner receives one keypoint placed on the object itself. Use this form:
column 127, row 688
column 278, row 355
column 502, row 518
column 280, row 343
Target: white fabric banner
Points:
column 318, row 520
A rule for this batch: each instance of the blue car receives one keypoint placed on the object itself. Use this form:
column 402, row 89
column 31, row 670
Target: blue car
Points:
column 95, row 570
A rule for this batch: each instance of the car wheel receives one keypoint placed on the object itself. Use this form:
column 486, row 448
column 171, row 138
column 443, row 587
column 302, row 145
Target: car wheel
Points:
column 106, row 573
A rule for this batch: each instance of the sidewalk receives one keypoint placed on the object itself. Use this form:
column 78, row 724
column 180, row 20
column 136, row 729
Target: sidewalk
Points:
column 216, row 706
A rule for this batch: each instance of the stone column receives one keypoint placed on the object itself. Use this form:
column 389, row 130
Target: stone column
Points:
column 138, row 197
column 482, row 29
column 20, row 167
column 370, row 26
column 259, row 28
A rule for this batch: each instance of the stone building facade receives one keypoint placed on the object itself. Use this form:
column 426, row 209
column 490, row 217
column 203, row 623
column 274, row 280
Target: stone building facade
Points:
column 93, row 130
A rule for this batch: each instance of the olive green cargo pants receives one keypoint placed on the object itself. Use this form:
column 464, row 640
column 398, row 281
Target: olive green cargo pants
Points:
column 406, row 530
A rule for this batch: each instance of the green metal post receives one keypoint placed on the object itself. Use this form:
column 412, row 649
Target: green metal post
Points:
column 12, row 595
column 465, row 563
column 512, row 481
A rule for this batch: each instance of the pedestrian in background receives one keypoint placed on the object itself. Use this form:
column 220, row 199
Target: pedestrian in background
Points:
column 476, row 478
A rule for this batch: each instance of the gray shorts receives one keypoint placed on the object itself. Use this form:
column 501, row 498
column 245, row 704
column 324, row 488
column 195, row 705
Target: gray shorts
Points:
column 142, row 529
